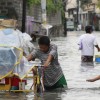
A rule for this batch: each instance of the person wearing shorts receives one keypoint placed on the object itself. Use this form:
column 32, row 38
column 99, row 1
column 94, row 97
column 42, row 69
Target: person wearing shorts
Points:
column 87, row 42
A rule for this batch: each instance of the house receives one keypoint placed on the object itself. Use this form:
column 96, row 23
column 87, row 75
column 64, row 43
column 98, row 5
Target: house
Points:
column 88, row 15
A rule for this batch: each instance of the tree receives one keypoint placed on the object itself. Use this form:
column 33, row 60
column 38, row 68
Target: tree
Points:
column 98, row 4
column 52, row 5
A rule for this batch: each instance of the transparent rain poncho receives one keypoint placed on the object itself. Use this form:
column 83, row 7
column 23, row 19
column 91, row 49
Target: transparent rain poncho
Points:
column 7, row 61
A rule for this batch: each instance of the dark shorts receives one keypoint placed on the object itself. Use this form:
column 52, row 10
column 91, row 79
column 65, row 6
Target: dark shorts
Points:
column 87, row 58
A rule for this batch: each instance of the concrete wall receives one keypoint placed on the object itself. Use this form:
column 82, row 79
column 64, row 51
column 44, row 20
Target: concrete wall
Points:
column 52, row 19
column 11, row 9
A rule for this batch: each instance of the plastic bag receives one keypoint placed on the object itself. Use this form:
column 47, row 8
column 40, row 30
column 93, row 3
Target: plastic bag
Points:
column 9, row 55
column 7, row 61
column 10, row 39
column 28, row 47
column 24, row 67
column 26, row 37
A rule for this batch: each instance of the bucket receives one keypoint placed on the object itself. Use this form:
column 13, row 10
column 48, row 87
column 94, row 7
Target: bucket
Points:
column 14, row 88
column 97, row 58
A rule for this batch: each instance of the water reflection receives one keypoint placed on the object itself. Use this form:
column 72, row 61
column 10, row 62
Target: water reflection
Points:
column 51, row 95
column 85, row 66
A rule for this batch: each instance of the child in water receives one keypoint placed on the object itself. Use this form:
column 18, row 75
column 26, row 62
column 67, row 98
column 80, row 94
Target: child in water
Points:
column 48, row 55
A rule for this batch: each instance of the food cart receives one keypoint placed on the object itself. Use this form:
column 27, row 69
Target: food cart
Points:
column 15, row 70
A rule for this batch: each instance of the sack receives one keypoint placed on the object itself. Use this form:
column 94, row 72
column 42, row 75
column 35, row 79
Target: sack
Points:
column 10, row 23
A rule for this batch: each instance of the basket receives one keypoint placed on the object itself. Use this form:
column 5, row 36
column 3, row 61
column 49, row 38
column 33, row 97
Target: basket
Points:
column 1, row 27
column 97, row 58
column 8, row 23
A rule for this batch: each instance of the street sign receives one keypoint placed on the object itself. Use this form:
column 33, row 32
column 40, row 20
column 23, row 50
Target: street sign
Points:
column 89, row 7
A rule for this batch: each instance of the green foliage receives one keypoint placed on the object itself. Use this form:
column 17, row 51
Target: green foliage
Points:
column 52, row 5
column 98, row 4
column 31, row 2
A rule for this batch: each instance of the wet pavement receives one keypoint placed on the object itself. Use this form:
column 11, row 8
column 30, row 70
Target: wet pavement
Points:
column 76, row 75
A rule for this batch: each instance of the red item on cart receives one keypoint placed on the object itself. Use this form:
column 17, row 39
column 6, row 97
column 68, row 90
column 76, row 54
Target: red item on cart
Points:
column 14, row 81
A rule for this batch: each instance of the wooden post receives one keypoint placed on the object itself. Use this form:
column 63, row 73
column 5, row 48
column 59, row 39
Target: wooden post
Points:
column 77, row 12
column 65, row 20
column 24, row 16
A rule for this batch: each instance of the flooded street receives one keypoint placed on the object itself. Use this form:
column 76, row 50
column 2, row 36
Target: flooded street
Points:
column 76, row 75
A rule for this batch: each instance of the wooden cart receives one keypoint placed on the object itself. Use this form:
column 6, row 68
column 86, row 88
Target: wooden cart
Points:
column 35, row 87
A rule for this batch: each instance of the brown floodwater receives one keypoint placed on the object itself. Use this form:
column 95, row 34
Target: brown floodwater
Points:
column 76, row 75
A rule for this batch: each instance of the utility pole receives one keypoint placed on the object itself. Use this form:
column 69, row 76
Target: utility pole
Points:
column 23, row 16
column 44, row 15
column 65, row 20
column 77, row 12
